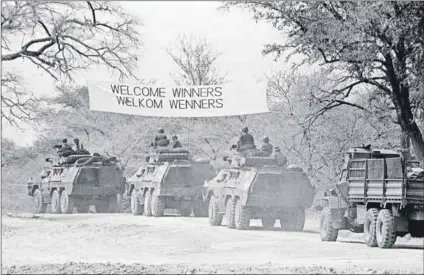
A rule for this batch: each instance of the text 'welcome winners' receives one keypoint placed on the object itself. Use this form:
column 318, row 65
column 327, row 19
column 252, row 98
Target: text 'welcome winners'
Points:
column 183, row 98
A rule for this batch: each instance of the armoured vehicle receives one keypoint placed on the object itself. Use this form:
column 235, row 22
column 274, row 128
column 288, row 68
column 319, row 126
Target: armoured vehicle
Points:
column 169, row 179
column 78, row 181
column 380, row 194
column 258, row 187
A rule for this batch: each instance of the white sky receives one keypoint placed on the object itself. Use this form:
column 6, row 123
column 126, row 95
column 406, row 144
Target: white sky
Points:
column 235, row 34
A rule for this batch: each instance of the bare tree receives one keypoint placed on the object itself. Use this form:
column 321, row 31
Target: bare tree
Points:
column 60, row 38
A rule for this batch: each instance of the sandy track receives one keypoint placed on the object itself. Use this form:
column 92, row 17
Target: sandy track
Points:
column 122, row 243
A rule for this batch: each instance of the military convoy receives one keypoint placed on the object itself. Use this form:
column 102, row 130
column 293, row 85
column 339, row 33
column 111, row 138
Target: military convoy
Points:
column 169, row 179
column 257, row 187
column 380, row 194
column 78, row 181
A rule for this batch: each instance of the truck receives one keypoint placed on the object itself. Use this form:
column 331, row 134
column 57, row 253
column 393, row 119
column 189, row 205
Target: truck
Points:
column 77, row 182
column 379, row 193
column 169, row 179
column 258, row 187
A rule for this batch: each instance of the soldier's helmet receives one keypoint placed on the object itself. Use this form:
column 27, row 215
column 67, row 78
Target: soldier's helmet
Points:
column 161, row 131
column 245, row 130
column 174, row 136
column 266, row 139
column 64, row 140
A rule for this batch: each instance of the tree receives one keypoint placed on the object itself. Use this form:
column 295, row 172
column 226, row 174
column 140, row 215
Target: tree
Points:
column 61, row 38
column 377, row 45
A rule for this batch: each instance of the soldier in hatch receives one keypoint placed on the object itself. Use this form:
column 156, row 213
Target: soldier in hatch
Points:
column 281, row 158
column 66, row 149
column 266, row 146
column 161, row 140
column 175, row 142
column 246, row 141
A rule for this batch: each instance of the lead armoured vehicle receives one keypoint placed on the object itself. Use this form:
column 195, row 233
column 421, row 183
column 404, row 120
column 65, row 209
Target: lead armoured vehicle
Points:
column 78, row 181
column 258, row 187
column 170, row 179
column 380, row 194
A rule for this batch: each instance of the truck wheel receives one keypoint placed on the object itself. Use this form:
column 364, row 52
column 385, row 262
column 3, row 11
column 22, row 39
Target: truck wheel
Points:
column 293, row 220
column 39, row 206
column 327, row 231
column 370, row 227
column 136, row 208
column 242, row 216
column 148, row 204
column 385, row 229
column 200, row 208
column 158, row 206
column 55, row 202
column 215, row 218
column 67, row 203
column 229, row 213
column 268, row 222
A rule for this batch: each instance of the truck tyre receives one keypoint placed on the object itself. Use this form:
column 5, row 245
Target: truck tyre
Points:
column 148, row 204
column 67, row 203
column 327, row 231
column 215, row 218
column 39, row 206
column 158, row 206
column 200, row 208
column 293, row 220
column 268, row 222
column 136, row 208
column 385, row 229
column 55, row 202
column 242, row 216
column 370, row 227
column 229, row 213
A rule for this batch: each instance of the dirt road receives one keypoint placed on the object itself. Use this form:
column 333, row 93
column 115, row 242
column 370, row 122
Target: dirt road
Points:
column 122, row 243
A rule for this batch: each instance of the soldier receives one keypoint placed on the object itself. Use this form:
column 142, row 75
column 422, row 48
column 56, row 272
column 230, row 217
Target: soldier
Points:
column 161, row 139
column 246, row 141
column 281, row 159
column 175, row 142
column 66, row 149
column 266, row 146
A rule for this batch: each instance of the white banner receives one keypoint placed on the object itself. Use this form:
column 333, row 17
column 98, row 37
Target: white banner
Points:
column 177, row 101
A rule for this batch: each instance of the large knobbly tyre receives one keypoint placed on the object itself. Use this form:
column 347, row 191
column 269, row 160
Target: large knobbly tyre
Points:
column 385, row 229
column 215, row 218
column 370, row 227
column 327, row 232
column 55, row 202
column 148, row 204
column 242, row 216
column 294, row 220
column 67, row 203
column 200, row 208
column 39, row 206
column 158, row 206
column 136, row 208
column 229, row 213
column 268, row 222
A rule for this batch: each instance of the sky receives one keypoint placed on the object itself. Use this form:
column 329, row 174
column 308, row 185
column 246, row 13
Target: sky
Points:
column 234, row 33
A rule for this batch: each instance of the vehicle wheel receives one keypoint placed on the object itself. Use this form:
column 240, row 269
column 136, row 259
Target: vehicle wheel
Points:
column 416, row 229
column 370, row 227
column 242, row 216
column 229, row 213
column 136, row 208
column 185, row 212
column 39, row 206
column 200, row 208
column 293, row 220
column 55, row 202
column 327, row 231
column 215, row 218
column 148, row 204
column 67, row 203
column 158, row 206
column 385, row 229
column 268, row 222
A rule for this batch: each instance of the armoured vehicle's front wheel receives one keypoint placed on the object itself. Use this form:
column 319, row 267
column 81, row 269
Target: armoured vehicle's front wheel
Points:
column 148, row 204
column 327, row 231
column 67, row 203
column 385, row 229
column 229, row 213
column 158, row 206
column 55, row 202
column 242, row 216
column 215, row 218
column 370, row 227
column 293, row 220
column 136, row 208
column 39, row 206
column 268, row 222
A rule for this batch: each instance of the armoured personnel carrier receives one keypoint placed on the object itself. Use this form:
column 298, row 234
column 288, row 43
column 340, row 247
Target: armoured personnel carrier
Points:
column 258, row 187
column 78, row 181
column 380, row 194
column 170, row 179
